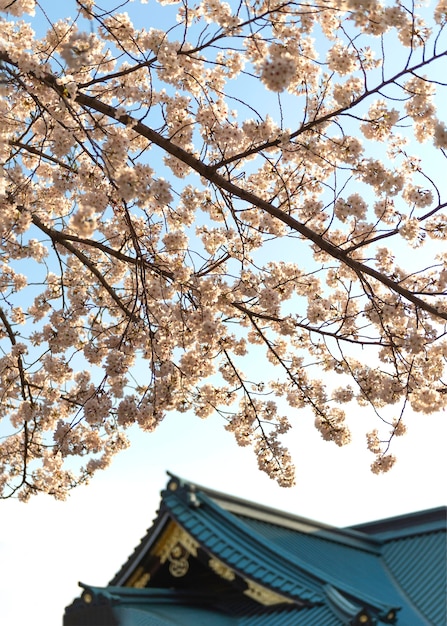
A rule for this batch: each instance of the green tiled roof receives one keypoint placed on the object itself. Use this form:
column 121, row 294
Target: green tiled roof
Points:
column 358, row 572
column 419, row 565
column 305, row 573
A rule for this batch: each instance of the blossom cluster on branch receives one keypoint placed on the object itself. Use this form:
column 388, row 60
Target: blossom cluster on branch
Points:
column 255, row 178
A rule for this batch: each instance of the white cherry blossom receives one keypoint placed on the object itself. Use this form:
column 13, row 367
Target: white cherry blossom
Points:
column 220, row 208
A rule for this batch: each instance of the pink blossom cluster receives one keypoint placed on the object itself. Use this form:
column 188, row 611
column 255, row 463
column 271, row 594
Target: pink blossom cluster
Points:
column 278, row 70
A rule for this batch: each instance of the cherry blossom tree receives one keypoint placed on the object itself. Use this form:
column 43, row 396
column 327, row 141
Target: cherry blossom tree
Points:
column 243, row 183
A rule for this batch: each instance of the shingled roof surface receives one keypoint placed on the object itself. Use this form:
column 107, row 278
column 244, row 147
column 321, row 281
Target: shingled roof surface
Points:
column 386, row 572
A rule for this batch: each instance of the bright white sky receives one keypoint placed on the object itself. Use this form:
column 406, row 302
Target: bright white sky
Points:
column 46, row 547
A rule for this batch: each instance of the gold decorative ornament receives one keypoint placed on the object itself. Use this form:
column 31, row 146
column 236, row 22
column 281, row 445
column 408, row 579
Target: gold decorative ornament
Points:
column 190, row 544
column 221, row 569
column 178, row 567
column 142, row 581
column 174, row 535
column 135, row 577
column 264, row 596
column 176, row 551
column 391, row 615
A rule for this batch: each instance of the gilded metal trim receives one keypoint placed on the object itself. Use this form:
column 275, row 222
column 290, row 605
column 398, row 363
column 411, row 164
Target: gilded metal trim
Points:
column 264, row 596
column 221, row 569
column 142, row 581
column 173, row 536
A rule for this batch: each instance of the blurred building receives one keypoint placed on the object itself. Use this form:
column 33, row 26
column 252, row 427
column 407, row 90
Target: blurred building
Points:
column 211, row 559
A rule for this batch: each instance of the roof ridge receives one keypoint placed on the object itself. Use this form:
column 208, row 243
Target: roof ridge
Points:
column 417, row 522
column 241, row 506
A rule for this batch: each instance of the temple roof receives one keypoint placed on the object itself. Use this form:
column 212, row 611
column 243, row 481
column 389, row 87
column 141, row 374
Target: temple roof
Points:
column 210, row 558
